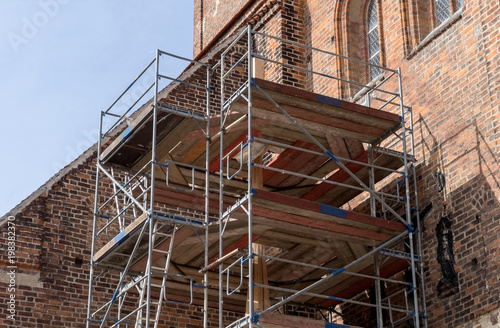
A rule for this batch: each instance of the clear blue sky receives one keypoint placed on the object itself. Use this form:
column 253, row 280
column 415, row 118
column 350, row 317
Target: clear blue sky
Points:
column 61, row 63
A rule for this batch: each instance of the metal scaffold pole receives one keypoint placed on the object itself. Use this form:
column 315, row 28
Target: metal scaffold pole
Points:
column 408, row 201
column 249, row 191
column 221, row 190
column 207, row 202
column 94, row 226
column 151, row 218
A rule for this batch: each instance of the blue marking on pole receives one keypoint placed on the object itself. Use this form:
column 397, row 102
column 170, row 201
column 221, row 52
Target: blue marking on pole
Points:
column 126, row 133
column 338, row 271
column 400, row 118
column 335, row 298
column 119, row 237
column 114, row 297
column 409, row 228
column 253, row 191
column 329, row 100
column 332, row 157
column 330, row 210
column 245, row 260
column 334, row 325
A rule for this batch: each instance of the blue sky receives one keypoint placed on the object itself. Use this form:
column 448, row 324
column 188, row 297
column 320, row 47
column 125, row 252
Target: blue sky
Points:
column 61, row 63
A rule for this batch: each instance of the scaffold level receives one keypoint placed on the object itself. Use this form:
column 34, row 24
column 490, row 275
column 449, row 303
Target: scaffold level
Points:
column 239, row 200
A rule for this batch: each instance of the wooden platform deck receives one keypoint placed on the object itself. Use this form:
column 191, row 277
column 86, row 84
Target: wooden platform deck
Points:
column 275, row 320
column 339, row 126
column 304, row 230
column 320, row 115
column 298, row 215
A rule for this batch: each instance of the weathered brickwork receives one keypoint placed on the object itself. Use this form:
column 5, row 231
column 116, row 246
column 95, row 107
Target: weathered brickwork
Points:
column 450, row 79
column 53, row 256
column 214, row 17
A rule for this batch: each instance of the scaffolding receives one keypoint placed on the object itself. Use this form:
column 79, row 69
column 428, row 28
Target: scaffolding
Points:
column 241, row 199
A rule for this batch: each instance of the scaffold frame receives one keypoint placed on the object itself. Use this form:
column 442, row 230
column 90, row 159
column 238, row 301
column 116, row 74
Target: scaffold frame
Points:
column 138, row 215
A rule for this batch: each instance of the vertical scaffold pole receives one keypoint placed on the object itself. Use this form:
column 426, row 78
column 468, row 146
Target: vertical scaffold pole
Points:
column 373, row 212
column 94, row 224
column 408, row 202
column 207, row 208
column 378, row 292
column 152, row 198
column 249, row 149
column 221, row 187
column 419, row 231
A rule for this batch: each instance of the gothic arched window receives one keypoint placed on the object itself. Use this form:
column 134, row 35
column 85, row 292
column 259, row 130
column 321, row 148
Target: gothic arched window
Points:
column 373, row 38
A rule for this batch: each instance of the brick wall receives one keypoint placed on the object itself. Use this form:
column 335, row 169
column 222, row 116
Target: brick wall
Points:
column 52, row 261
column 451, row 83
column 52, row 254
column 450, row 78
column 210, row 17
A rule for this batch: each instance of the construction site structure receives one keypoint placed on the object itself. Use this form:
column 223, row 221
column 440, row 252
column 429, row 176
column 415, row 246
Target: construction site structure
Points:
column 234, row 188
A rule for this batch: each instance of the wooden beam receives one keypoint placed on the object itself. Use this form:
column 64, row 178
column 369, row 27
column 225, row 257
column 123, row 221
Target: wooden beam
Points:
column 281, row 271
column 240, row 243
column 331, row 121
column 314, row 128
column 261, row 300
column 242, row 139
column 338, row 146
column 339, row 176
column 323, row 104
column 302, row 206
column 363, row 284
column 286, row 161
